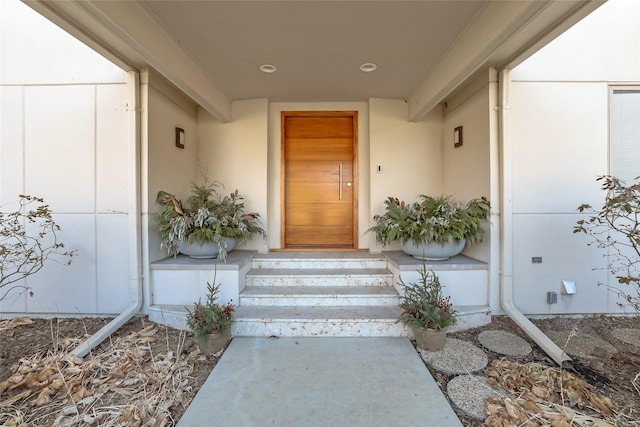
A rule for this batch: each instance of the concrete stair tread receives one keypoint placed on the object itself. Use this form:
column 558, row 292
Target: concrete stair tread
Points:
column 298, row 313
column 319, row 255
column 317, row 272
column 461, row 309
column 318, row 291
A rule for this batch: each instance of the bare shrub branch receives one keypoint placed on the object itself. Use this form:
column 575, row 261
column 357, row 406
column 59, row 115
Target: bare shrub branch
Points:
column 615, row 228
column 28, row 239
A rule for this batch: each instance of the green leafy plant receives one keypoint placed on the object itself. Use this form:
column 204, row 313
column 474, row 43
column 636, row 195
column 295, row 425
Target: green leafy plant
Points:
column 423, row 304
column 28, row 240
column 615, row 228
column 209, row 317
column 433, row 219
column 208, row 217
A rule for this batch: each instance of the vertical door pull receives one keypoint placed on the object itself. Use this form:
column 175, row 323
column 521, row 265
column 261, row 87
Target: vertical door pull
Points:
column 340, row 180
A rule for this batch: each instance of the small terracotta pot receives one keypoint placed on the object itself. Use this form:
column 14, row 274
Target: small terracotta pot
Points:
column 214, row 343
column 430, row 339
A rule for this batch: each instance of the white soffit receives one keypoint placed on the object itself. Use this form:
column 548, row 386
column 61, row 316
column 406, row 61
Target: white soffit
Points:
column 211, row 50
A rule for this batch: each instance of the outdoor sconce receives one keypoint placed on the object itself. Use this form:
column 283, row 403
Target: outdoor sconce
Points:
column 457, row 137
column 179, row 138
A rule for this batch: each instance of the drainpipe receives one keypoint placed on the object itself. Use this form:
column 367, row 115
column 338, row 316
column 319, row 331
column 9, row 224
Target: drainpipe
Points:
column 506, row 227
column 135, row 228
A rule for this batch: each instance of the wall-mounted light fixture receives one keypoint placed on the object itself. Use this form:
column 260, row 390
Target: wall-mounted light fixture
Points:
column 179, row 137
column 457, row 137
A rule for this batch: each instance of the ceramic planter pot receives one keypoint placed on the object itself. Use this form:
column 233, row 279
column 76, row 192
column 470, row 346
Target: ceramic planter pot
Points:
column 433, row 251
column 208, row 250
column 214, row 342
column 430, row 339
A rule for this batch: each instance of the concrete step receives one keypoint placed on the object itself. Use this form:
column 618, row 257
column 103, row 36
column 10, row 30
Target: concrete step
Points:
column 317, row 321
column 319, row 277
column 318, row 260
column 319, row 296
column 355, row 321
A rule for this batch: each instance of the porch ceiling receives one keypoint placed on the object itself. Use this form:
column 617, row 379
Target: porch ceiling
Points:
column 211, row 50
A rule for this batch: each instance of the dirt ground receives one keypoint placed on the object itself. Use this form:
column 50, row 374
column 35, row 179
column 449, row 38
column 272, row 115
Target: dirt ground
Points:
column 38, row 403
column 614, row 375
column 25, row 344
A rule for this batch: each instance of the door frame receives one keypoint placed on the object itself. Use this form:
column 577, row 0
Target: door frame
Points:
column 347, row 113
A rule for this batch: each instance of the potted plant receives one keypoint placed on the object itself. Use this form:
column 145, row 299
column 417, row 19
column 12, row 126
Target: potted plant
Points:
column 209, row 225
column 210, row 322
column 426, row 311
column 434, row 228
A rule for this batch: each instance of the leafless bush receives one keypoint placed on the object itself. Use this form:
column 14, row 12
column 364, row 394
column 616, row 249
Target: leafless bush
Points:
column 28, row 239
column 615, row 228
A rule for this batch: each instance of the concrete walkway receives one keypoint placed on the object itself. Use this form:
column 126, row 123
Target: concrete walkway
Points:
column 320, row 382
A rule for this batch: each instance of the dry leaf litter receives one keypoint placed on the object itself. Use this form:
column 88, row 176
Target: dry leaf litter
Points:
column 122, row 383
column 544, row 396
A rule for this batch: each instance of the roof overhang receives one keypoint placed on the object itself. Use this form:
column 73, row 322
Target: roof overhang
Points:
column 501, row 35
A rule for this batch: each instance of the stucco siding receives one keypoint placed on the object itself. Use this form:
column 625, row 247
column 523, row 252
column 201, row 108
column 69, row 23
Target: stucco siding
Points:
column 560, row 107
column 565, row 256
column 467, row 169
column 410, row 154
column 235, row 154
column 560, row 134
column 165, row 166
column 34, row 51
column 604, row 46
column 64, row 138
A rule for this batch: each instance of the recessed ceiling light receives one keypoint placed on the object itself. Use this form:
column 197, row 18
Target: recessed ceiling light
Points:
column 268, row 68
column 368, row 67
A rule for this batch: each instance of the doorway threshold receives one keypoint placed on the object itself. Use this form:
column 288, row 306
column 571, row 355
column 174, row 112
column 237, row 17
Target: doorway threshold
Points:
column 316, row 249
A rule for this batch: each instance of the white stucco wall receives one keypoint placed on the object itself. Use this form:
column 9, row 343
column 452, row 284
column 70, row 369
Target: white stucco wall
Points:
column 410, row 154
column 64, row 133
column 235, row 154
column 560, row 111
column 466, row 169
column 164, row 166
column 246, row 152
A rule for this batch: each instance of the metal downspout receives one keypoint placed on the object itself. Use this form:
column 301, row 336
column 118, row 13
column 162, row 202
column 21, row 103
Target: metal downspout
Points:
column 135, row 228
column 506, row 228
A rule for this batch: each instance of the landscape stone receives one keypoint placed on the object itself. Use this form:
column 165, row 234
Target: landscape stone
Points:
column 506, row 343
column 581, row 344
column 469, row 394
column 457, row 357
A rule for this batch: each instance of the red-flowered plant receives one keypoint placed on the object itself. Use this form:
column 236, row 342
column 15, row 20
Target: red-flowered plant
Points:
column 424, row 306
column 210, row 317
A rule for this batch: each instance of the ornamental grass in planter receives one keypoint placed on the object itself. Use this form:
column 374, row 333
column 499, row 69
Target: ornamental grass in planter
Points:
column 426, row 310
column 210, row 321
column 434, row 219
column 207, row 218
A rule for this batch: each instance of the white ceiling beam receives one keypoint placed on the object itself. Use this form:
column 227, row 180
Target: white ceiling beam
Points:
column 125, row 33
column 502, row 35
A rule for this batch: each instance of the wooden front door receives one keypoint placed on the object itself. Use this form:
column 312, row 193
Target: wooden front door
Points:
column 319, row 158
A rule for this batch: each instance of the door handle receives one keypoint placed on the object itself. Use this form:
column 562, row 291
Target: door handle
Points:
column 340, row 181
column 348, row 184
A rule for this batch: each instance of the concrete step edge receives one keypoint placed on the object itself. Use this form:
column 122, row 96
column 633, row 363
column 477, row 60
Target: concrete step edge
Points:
column 311, row 272
column 318, row 291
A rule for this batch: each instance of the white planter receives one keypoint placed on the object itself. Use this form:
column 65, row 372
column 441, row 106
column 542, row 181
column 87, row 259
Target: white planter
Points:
column 208, row 250
column 433, row 251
